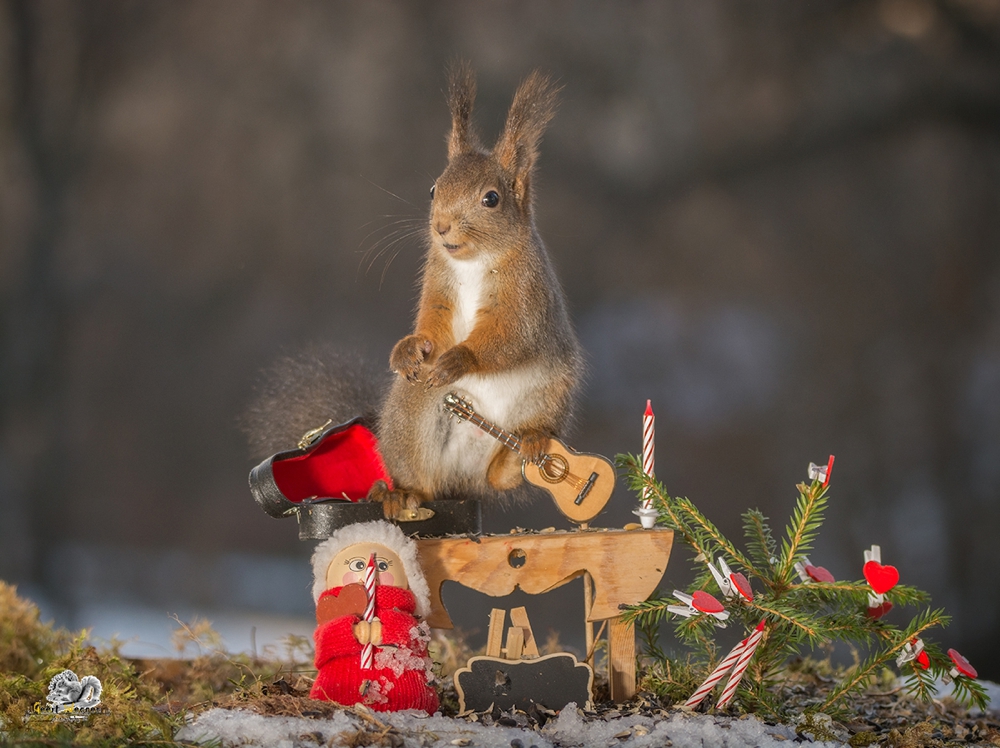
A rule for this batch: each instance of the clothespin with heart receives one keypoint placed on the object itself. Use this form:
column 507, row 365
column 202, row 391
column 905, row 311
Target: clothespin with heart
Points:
column 881, row 579
column 913, row 651
column 730, row 583
column 699, row 602
column 962, row 667
column 821, row 472
column 809, row 573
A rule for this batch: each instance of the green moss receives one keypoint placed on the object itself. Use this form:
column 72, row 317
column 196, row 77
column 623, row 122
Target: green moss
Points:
column 26, row 643
column 142, row 702
column 127, row 713
column 861, row 739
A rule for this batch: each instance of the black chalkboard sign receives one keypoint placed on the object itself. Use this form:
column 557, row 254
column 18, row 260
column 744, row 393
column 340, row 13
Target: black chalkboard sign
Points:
column 551, row 681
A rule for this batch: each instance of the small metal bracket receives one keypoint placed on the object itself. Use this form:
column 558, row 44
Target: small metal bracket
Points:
column 414, row 515
column 312, row 434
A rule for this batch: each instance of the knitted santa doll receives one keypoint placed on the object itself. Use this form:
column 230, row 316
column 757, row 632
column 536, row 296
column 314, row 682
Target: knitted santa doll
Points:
column 376, row 657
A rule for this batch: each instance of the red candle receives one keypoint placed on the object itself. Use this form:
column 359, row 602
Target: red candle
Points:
column 648, row 447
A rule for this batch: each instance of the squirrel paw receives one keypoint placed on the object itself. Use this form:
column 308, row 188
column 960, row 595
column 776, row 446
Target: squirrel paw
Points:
column 393, row 502
column 408, row 355
column 534, row 444
column 454, row 363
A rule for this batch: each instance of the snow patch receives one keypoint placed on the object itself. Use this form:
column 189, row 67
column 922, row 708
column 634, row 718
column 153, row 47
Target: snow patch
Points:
column 679, row 729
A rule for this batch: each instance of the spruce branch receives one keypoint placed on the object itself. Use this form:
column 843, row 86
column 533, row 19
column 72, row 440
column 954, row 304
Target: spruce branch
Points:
column 919, row 682
column 698, row 631
column 970, row 691
column 864, row 672
column 904, row 594
column 858, row 591
column 760, row 542
column 831, row 589
column 643, row 485
column 964, row 689
column 806, row 519
column 682, row 515
column 798, row 614
column 712, row 538
column 798, row 621
column 651, row 611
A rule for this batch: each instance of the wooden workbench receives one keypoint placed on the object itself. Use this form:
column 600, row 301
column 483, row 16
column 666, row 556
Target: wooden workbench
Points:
column 625, row 565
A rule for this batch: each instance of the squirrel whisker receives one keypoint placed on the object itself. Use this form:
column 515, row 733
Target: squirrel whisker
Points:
column 404, row 229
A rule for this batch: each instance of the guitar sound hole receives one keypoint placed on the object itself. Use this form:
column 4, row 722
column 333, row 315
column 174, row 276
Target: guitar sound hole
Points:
column 554, row 468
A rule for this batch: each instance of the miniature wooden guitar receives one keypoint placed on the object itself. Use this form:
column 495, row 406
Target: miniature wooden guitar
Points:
column 579, row 483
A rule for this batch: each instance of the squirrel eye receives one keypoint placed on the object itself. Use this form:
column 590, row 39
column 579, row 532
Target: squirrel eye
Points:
column 432, row 190
column 491, row 199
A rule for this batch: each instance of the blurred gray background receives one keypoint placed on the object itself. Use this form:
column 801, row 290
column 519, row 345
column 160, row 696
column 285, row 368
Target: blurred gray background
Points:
column 780, row 221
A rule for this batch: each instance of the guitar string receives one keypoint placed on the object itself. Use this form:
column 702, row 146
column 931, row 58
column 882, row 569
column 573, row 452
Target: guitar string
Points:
column 512, row 442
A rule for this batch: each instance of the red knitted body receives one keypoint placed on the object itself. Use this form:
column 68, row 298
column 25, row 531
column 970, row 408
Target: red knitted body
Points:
column 400, row 678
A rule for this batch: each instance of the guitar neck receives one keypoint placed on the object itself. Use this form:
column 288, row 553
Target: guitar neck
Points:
column 580, row 484
column 506, row 438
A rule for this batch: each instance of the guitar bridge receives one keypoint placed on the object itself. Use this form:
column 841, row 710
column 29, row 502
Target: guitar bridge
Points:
column 586, row 489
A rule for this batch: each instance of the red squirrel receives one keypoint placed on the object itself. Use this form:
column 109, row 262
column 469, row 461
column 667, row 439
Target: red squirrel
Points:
column 492, row 323
column 491, row 326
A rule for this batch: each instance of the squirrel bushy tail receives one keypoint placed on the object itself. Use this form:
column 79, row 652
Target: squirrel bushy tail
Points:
column 304, row 390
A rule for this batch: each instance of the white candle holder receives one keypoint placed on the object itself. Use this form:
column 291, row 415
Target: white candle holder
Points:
column 647, row 516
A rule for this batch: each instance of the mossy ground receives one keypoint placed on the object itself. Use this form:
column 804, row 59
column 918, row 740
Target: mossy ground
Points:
column 144, row 702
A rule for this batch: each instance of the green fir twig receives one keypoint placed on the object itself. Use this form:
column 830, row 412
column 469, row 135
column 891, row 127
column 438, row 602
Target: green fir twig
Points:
column 798, row 613
column 867, row 670
column 806, row 520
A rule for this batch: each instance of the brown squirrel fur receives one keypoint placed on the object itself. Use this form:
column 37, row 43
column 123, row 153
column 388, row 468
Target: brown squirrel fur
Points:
column 492, row 323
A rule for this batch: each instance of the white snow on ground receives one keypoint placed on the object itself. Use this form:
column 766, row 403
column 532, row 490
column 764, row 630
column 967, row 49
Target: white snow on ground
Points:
column 680, row 730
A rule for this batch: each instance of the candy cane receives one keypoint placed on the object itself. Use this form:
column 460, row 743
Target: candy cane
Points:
column 721, row 669
column 741, row 665
column 371, row 580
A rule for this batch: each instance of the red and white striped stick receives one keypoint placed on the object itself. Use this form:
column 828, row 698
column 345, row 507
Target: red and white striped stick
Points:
column 371, row 581
column 648, row 448
column 721, row 669
column 741, row 665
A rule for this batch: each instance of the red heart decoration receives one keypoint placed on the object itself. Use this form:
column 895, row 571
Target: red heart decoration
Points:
column 351, row 600
column 922, row 661
column 879, row 610
column 706, row 603
column 962, row 664
column 881, row 578
column 742, row 585
column 819, row 574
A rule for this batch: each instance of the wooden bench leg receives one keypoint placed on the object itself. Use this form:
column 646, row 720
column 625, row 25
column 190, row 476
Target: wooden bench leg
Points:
column 621, row 659
column 494, row 640
column 519, row 618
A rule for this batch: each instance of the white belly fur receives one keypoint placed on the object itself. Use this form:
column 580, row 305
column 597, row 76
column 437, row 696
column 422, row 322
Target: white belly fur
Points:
column 468, row 293
column 507, row 399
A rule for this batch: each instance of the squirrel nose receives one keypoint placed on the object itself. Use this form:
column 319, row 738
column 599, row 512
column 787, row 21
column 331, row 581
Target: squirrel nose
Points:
column 442, row 227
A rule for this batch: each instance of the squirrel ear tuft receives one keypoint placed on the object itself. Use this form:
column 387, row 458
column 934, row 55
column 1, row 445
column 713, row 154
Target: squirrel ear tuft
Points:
column 533, row 107
column 461, row 96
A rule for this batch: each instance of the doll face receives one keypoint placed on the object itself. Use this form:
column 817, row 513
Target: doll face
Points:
column 348, row 566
